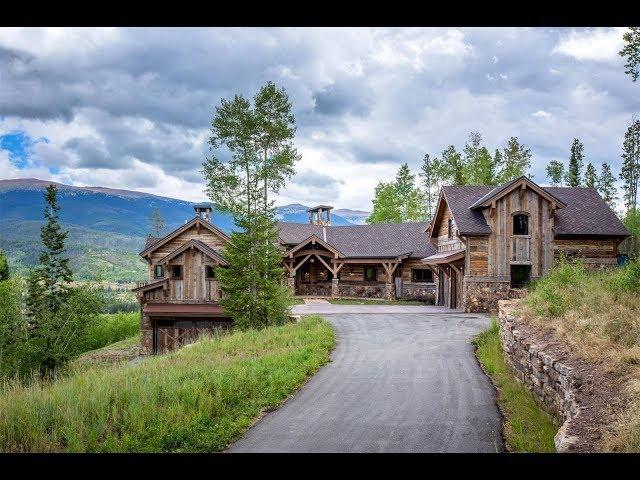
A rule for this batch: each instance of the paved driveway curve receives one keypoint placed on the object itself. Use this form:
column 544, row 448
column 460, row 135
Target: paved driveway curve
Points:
column 397, row 382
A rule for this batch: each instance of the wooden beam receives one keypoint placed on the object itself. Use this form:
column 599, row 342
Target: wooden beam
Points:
column 311, row 251
column 298, row 265
column 324, row 263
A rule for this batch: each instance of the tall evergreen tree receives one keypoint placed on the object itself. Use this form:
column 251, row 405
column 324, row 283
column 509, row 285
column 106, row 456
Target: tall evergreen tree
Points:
column 555, row 172
column 430, row 184
column 514, row 161
column 4, row 266
column 49, row 282
column 630, row 171
column 156, row 222
column 631, row 52
column 590, row 176
column 607, row 186
column 254, row 293
column 573, row 176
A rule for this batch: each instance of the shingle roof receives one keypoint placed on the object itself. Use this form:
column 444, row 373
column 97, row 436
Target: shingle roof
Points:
column 586, row 213
column 378, row 240
column 459, row 200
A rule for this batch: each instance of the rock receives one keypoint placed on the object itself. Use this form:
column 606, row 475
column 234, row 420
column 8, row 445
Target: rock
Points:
column 562, row 440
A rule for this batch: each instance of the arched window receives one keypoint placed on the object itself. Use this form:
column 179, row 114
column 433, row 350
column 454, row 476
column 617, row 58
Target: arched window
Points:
column 521, row 224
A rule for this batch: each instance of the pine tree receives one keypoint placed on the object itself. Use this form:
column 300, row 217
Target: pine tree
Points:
column 573, row 176
column 430, row 184
column 630, row 171
column 53, row 275
column 607, row 186
column 4, row 266
column 156, row 222
column 590, row 176
column 514, row 162
column 555, row 172
column 631, row 51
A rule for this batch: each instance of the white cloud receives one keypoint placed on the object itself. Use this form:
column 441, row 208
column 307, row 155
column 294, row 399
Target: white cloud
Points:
column 541, row 114
column 600, row 44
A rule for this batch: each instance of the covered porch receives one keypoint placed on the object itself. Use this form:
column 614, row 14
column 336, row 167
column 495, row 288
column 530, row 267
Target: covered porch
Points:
column 449, row 268
column 315, row 268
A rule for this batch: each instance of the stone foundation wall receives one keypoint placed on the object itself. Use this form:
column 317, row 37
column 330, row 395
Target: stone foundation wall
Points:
column 552, row 382
column 146, row 335
column 364, row 291
column 419, row 291
column 483, row 295
column 317, row 289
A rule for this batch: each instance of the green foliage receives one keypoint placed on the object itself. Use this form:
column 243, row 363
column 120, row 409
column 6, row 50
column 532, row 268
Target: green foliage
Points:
column 527, row 428
column 198, row 399
column 479, row 166
column 590, row 176
column 573, row 177
column 607, row 186
column 110, row 328
column 631, row 52
column 430, row 185
column 13, row 328
column 254, row 294
column 555, row 172
column 260, row 139
column 513, row 162
column 156, row 223
column 4, row 266
column 630, row 171
column 450, row 168
column 398, row 201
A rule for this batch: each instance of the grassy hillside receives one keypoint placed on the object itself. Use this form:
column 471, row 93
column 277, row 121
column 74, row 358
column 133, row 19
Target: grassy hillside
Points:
column 598, row 315
column 198, row 399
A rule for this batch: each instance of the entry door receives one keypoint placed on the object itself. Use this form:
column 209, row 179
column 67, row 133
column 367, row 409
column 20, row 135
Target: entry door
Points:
column 441, row 289
column 454, row 289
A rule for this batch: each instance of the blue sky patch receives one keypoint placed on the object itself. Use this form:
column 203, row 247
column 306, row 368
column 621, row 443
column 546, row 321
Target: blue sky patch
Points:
column 19, row 144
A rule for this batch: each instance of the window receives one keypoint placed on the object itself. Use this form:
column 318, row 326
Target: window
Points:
column 370, row 273
column 421, row 275
column 176, row 271
column 520, row 275
column 450, row 229
column 209, row 271
column 521, row 224
column 158, row 271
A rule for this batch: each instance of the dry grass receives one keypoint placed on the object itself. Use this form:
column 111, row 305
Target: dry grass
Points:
column 598, row 315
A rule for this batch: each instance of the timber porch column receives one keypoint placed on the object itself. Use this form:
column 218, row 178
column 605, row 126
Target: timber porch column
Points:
column 390, row 286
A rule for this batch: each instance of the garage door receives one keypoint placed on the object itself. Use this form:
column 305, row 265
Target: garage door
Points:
column 172, row 334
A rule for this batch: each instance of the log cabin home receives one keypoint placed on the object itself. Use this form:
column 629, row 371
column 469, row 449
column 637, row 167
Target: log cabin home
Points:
column 491, row 241
column 483, row 244
column 180, row 300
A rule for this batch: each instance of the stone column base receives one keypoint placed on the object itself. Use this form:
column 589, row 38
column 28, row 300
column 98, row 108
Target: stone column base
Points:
column 291, row 282
column 390, row 291
column 335, row 290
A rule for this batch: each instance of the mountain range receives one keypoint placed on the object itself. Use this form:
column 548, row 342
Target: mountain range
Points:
column 107, row 227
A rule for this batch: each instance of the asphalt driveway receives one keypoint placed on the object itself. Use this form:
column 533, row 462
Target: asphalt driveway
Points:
column 397, row 382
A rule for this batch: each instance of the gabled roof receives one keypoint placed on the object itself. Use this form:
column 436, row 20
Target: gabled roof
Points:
column 152, row 245
column 585, row 212
column 382, row 240
column 502, row 190
column 314, row 239
column 200, row 245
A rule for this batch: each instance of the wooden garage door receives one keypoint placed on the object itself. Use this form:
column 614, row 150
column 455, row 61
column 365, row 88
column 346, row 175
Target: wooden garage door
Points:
column 170, row 335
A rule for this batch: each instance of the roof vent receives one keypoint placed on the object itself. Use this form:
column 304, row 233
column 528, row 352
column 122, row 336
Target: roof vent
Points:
column 324, row 233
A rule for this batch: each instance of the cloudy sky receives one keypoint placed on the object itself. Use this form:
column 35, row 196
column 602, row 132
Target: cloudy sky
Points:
column 130, row 108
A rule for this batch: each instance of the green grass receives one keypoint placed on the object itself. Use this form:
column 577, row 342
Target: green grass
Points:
column 198, row 399
column 372, row 301
column 527, row 428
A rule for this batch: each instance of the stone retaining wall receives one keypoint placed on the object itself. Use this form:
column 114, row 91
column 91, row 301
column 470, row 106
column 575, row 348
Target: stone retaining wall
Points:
column 552, row 381
column 364, row 291
column 483, row 295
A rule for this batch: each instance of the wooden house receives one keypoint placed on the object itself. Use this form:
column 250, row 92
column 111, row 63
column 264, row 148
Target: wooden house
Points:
column 491, row 241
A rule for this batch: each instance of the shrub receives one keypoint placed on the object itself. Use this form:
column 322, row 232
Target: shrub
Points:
column 111, row 328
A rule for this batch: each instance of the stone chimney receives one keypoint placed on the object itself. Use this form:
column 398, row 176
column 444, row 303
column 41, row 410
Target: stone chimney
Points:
column 320, row 215
column 203, row 211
